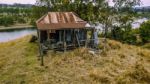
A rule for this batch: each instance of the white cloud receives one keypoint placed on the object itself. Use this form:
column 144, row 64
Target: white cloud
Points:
column 18, row 1
column 146, row 2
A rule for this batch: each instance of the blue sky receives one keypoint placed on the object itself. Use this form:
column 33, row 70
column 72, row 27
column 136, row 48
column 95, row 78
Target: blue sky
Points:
column 145, row 2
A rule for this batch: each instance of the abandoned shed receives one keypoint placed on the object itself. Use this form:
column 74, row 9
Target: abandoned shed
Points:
column 62, row 31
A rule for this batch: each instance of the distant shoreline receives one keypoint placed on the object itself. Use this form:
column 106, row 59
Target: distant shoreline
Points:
column 16, row 27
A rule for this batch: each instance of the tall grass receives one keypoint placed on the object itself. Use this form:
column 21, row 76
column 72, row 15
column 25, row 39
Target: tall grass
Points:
column 121, row 64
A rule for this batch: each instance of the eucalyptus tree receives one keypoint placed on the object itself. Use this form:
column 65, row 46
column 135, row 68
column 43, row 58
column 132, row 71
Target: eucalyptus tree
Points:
column 120, row 15
column 98, row 10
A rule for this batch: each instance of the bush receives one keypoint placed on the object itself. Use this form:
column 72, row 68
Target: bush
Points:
column 144, row 31
column 21, row 20
column 129, row 36
column 6, row 21
column 117, row 33
column 32, row 22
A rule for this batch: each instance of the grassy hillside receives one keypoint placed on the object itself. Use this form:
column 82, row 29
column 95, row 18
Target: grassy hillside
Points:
column 147, row 46
column 121, row 64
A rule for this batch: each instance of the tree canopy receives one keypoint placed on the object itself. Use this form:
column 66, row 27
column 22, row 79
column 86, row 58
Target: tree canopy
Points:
column 115, row 19
column 93, row 10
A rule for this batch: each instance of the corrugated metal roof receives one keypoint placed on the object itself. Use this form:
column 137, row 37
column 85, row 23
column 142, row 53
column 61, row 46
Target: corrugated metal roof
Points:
column 60, row 20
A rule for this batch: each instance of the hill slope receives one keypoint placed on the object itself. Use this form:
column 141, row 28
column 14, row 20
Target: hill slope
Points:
column 120, row 64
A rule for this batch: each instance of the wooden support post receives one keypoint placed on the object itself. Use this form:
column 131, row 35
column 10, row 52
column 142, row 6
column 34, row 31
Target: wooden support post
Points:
column 92, row 38
column 77, row 39
column 60, row 35
column 40, row 48
column 74, row 39
column 48, row 36
column 42, row 59
column 86, row 39
column 64, row 40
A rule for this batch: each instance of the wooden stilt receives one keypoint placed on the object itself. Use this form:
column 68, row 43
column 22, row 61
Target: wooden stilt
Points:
column 40, row 48
column 60, row 36
column 92, row 39
column 48, row 35
column 64, row 40
column 77, row 39
column 93, row 44
column 86, row 39
column 74, row 39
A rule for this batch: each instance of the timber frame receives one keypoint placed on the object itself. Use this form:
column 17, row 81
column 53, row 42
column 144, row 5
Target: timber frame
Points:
column 62, row 31
column 62, row 44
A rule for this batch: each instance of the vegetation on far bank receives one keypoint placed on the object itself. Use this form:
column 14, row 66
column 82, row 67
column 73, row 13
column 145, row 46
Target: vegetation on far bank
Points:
column 14, row 15
column 121, row 64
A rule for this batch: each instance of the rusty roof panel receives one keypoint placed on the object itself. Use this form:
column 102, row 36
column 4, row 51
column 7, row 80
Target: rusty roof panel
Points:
column 58, row 20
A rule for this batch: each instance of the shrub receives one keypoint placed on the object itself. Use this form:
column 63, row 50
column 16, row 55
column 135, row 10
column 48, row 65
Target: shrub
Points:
column 144, row 31
column 128, row 36
column 6, row 21
column 32, row 22
column 21, row 20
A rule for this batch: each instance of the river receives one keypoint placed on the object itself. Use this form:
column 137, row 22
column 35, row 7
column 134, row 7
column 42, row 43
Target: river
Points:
column 135, row 24
column 6, row 36
column 138, row 22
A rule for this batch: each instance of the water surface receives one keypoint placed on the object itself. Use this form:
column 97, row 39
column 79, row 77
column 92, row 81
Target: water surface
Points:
column 138, row 22
column 6, row 36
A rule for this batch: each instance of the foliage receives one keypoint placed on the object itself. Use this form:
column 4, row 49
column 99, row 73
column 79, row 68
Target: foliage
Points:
column 129, row 36
column 6, row 21
column 15, row 11
column 95, row 11
column 32, row 22
column 21, row 20
column 38, row 11
column 18, row 14
column 145, row 31
column 116, row 20
column 132, row 36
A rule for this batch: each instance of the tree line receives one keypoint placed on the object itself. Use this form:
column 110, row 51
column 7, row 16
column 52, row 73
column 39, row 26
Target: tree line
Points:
column 12, row 15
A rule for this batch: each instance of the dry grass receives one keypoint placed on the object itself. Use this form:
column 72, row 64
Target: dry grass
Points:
column 121, row 64
column 146, row 46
